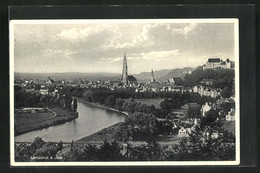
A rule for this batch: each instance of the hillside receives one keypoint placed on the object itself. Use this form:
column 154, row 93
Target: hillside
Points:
column 221, row 77
column 163, row 75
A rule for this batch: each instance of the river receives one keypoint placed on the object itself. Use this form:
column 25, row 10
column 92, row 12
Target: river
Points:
column 91, row 119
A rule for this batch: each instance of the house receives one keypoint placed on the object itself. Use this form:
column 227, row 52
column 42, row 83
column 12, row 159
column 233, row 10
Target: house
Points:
column 50, row 81
column 178, row 113
column 231, row 115
column 207, row 82
column 214, row 93
column 174, row 126
column 131, row 79
column 212, row 63
column 206, row 91
column 196, row 88
column 205, row 108
column 196, row 121
column 44, row 91
column 187, row 89
column 182, row 132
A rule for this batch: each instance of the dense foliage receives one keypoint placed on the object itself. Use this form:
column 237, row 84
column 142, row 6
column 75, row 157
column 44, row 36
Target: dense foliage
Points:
column 36, row 99
column 221, row 77
column 38, row 148
column 208, row 141
column 179, row 99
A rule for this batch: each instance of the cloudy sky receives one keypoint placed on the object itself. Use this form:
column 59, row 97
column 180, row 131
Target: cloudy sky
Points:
column 99, row 47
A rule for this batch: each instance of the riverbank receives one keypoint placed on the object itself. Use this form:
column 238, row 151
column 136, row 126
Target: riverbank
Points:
column 37, row 121
column 109, row 133
column 101, row 106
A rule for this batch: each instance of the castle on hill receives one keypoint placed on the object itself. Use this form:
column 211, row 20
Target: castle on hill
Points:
column 216, row 63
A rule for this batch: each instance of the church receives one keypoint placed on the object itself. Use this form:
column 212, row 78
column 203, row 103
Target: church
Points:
column 127, row 79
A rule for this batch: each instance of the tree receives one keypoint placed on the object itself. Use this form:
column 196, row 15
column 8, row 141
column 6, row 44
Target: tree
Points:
column 107, row 152
column 194, row 111
column 149, row 152
column 60, row 145
column 110, row 151
column 91, row 153
column 226, row 106
column 68, row 100
column 22, row 153
column 88, row 96
column 48, row 150
column 75, row 105
column 142, row 126
column 110, row 101
column 226, row 92
column 119, row 104
column 37, row 87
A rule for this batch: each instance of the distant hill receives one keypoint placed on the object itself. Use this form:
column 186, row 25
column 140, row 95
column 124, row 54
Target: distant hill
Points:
column 68, row 76
column 163, row 75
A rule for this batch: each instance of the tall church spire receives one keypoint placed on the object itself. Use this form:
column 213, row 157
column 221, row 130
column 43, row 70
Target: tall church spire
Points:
column 124, row 73
column 152, row 76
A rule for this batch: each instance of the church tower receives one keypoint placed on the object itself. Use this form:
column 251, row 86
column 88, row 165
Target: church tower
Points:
column 152, row 76
column 124, row 73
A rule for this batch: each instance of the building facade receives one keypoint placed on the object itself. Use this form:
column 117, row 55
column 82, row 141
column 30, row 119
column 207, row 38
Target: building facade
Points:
column 214, row 63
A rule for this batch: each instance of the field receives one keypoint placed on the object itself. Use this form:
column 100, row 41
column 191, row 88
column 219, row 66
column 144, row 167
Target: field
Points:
column 26, row 122
column 29, row 118
column 155, row 102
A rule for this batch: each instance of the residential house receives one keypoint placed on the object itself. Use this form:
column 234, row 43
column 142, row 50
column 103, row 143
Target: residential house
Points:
column 231, row 115
column 207, row 82
column 205, row 108
column 182, row 132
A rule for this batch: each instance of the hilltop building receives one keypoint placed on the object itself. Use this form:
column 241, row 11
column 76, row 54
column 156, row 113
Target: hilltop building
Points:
column 215, row 63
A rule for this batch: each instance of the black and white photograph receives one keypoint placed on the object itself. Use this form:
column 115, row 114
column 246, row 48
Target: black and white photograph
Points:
column 128, row 92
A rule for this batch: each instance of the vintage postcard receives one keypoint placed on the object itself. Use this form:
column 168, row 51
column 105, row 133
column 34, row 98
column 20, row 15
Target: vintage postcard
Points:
column 124, row 92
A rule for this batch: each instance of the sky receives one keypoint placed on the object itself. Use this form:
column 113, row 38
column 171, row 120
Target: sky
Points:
column 99, row 47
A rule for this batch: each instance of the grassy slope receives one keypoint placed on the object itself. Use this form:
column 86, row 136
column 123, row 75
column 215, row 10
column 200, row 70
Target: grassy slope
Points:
column 108, row 133
column 41, row 121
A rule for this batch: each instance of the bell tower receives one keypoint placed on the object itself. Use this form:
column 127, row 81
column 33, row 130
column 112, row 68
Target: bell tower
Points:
column 124, row 73
column 152, row 76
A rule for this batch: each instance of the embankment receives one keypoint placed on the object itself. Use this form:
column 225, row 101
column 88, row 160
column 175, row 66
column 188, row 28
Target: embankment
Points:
column 61, row 116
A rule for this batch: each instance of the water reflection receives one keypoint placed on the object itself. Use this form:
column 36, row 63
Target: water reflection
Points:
column 91, row 119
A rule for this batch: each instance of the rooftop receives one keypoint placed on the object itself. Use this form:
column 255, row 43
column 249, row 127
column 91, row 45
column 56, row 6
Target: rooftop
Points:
column 212, row 60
